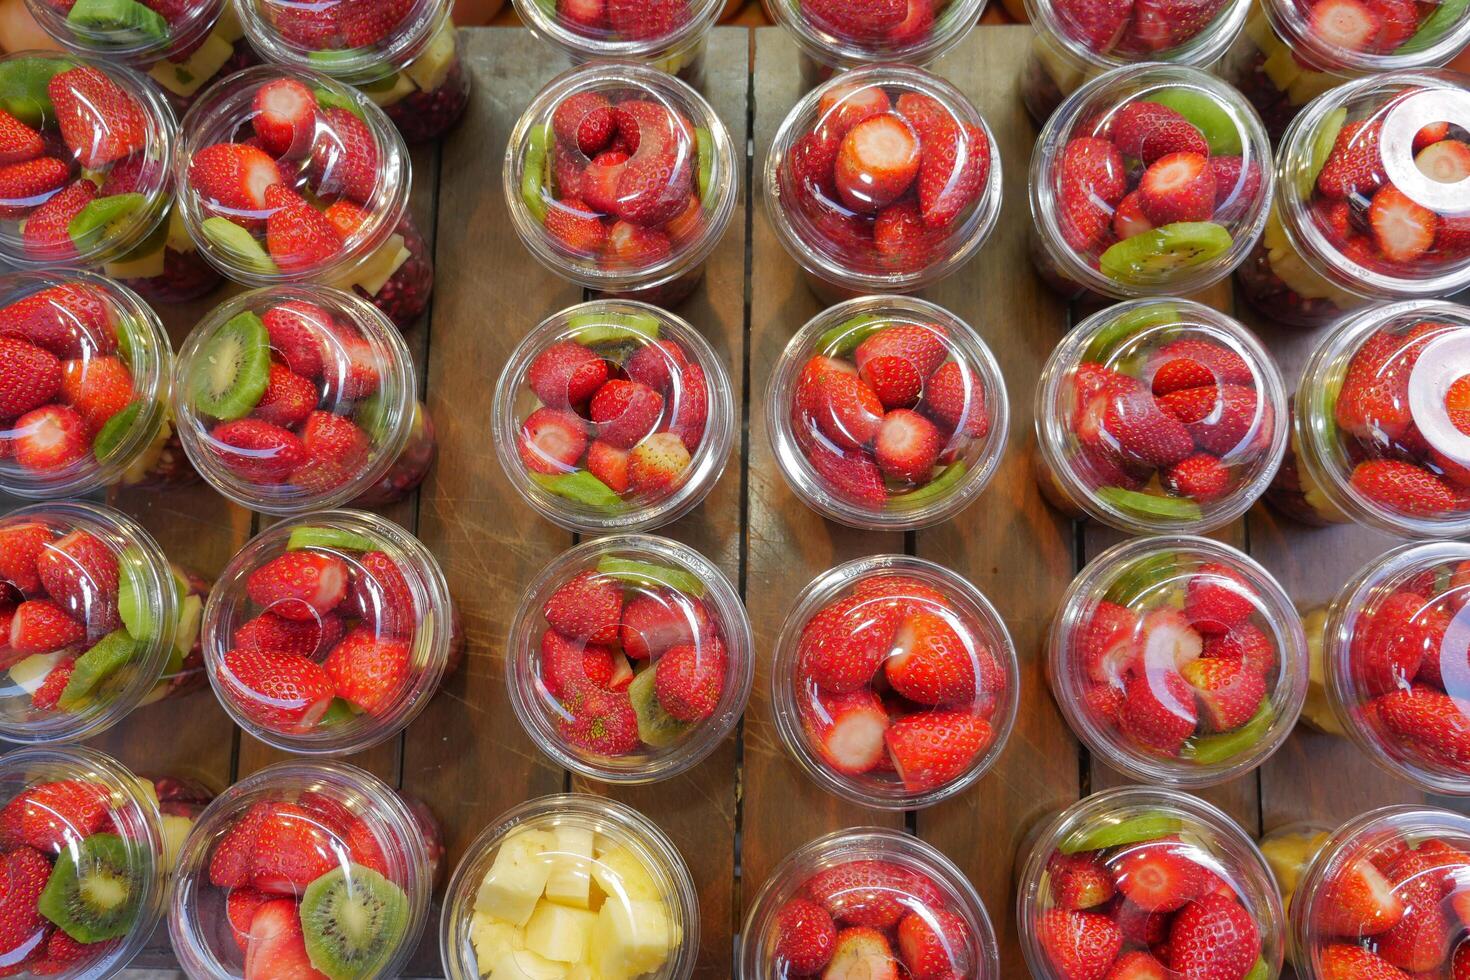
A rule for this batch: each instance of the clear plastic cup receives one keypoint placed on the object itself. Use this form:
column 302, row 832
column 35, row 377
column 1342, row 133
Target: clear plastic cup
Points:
column 867, row 898
column 1178, row 660
column 1372, row 200
column 571, row 886
column 299, row 868
column 887, row 413
column 613, row 416
column 285, row 175
column 403, row 56
column 94, row 182
column 630, row 659
column 84, row 863
column 1152, row 180
column 1384, row 895
column 295, row 398
column 668, row 35
column 881, row 661
column 97, row 622
column 329, row 633
column 1159, row 415
column 888, row 32
column 850, row 222
column 1376, row 435
column 1151, row 880
column 622, row 180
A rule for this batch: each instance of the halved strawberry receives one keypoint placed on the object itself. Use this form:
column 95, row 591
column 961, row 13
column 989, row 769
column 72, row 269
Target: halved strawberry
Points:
column 297, row 235
column 1160, row 875
column 901, row 236
column 1147, row 131
column 1447, row 161
column 865, row 892
column 28, row 184
column 1079, row 945
column 241, row 904
column 18, row 142
column 1346, row 24
column 47, row 234
column 625, row 412
column 896, row 361
column 849, row 474
column 657, row 464
column 285, row 117
column 277, row 946
column 232, row 178
column 1129, row 219
column 566, row 373
column 1218, row 598
column 100, row 122
column 575, row 226
column 600, row 180
column 256, row 450
column 50, row 439
column 282, row 692
column 586, row 607
column 953, row 167
column 933, row 664
column 933, row 748
column 1109, row 646
column 1097, row 23
column 843, row 106
column 1354, row 167
column 637, row 247
column 1091, row 182
column 368, row 670
column 934, row 944
column 1158, row 711
column 1341, row 961
column 344, row 159
column 1402, row 229
column 1201, row 477
column 584, row 120
column 609, row 464
column 1403, row 487
column 304, row 638
column 1177, row 187
column 567, row 666
column 855, row 19
column 877, row 162
column 955, row 400
column 288, row 399
column 1214, row 936
column 336, row 449
column 40, row 626
column 97, row 387
column 1145, row 432
column 55, row 816
column 299, row 585
column 842, row 646
column 1229, row 692
column 907, row 446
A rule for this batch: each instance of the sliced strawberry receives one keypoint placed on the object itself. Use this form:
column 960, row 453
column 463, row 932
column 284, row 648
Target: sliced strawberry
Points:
column 257, row 451
column 657, row 464
column 241, row 904
column 1160, row 875
column 285, row 117
column 625, row 412
column 1109, row 645
column 1158, row 711
column 50, row 439
column 100, row 122
column 47, row 234
column 282, row 692
column 1129, row 219
column 842, row 646
column 1402, row 229
column 369, row 671
column 232, row 179
column 299, row 585
column 40, row 626
column 953, row 168
column 933, row 664
column 1446, row 161
column 1201, row 477
column 907, row 446
column 277, row 947
column 298, row 236
column 1091, row 182
column 634, row 247
column 877, row 162
column 1229, row 693
column 601, row 178
column 1177, row 187
column 933, row 748
column 1346, row 24
column 587, row 607
column 897, row 360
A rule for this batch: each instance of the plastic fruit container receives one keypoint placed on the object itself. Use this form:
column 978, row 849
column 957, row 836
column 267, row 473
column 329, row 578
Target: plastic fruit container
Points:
column 83, row 859
column 1379, row 434
column 848, row 193
column 1147, row 882
column 1159, row 415
column 1152, row 180
column 571, row 886
column 329, row 633
column 296, row 398
column 86, row 185
column 96, row 622
column 303, row 870
column 286, row 175
column 834, row 37
column 894, row 682
column 669, row 35
column 887, row 413
column 612, row 416
column 621, row 179
column 404, row 56
column 630, row 658
column 867, row 902
column 1371, row 183
column 1178, row 660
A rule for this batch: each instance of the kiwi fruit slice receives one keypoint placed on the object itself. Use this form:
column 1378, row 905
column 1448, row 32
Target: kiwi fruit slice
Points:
column 942, row 483
column 23, row 87
column 1209, row 750
column 705, row 144
column 656, row 727
column 328, row 99
column 648, row 574
column 582, row 487
column 124, row 23
column 92, row 221
column 612, row 328
column 106, row 657
column 307, row 536
column 132, row 604
column 114, row 431
column 238, row 244
column 1208, row 115
column 353, row 919
column 1151, row 505
column 1156, row 314
column 1445, row 15
column 844, row 338
column 233, row 369
column 1259, row 970
column 533, row 177
column 94, row 889
column 339, row 712
column 1149, row 257
column 1322, row 143
column 1142, row 575
column 1130, row 830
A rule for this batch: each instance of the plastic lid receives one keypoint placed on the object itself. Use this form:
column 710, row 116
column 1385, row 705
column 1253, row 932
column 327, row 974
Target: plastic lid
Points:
column 879, row 659
column 1109, row 34
column 293, row 398
column 1179, row 660
column 287, row 175
column 888, row 412
column 846, row 897
column 1111, row 879
column 842, row 166
column 1161, row 415
column 139, row 31
column 88, row 180
column 88, row 386
column 346, row 39
column 619, row 176
column 1350, row 36
column 635, row 29
column 613, row 415
column 886, row 31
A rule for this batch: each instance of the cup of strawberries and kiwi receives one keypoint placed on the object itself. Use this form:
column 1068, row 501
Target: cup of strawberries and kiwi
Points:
column 404, row 56
column 883, row 180
column 1159, row 415
column 1147, row 882
column 887, row 412
column 621, row 179
column 668, row 35
column 286, row 175
column 1152, row 180
column 1371, row 205
column 87, row 145
column 867, row 902
column 311, row 870
column 1380, row 433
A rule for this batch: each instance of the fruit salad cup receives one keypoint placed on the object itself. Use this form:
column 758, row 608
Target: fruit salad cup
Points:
column 95, row 622
column 883, row 180
column 613, row 416
column 867, row 902
column 295, row 398
column 286, row 175
column 887, row 413
column 894, row 682
column 405, row 56
column 1147, row 882
column 1153, row 180
column 1372, row 200
column 87, row 146
column 630, row 659
column 303, row 870
column 669, row 35
column 1159, row 415
column 329, row 633
column 574, row 887
column 622, row 180
column 1380, row 431
column 1178, row 660
column 834, row 36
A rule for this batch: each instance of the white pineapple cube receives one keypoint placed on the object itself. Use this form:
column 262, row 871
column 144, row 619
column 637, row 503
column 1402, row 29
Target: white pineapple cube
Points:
column 491, row 938
column 622, row 876
column 631, row 938
column 522, row 964
column 517, row 879
column 560, row 933
column 571, row 871
column 583, row 972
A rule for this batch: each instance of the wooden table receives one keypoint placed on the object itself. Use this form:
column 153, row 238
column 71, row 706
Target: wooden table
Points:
column 747, row 806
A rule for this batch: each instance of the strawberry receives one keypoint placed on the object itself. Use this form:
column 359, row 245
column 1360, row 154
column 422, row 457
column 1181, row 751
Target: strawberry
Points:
column 657, row 463
column 655, row 184
column 1096, row 23
column 861, row 953
column 843, row 106
column 256, row 450
column 1108, row 644
column 382, row 597
column 57, row 815
column 953, row 167
column 61, row 950
column 655, row 621
column 640, row 20
column 364, row 23
column 639, row 118
column 241, row 904
column 842, row 646
column 70, row 321
column 1354, row 167
column 1229, row 692
column 566, row 374
column 363, row 843
column 1403, row 487
column 899, row 234
column 18, row 142
column 26, row 185
column 345, row 158
column 48, row 696
column 299, row 585
column 1158, row 711
column 933, row 945
column 935, row 747
column 1079, row 945
column 635, row 247
column 691, row 407
column 1236, row 184
column 877, row 162
column 862, row 893
column 297, row 332
column 656, row 365
column 848, row 474
column 1129, row 219
column 29, row 377
column 288, row 399
column 98, row 388
column 282, row 692
column 346, row 217
column 1422, row 939
column 1195, row 363
column 552, row 440
column 955, row 400
column 1347, row 24
column 23, row 876
column 846, row 730
column 1426, row 723
column 1245, row 644
column 625, row 412
column 1402, row 229
column 1091, row 182
column 1200, row 477
column 1221, row 419
column 584, row 120
column 609, row 464
column 1342, row 962
column 1160, row 875
column 20, row 546
column 40, row 626
column 1148, row 131
column 1388, row 644
column 297, row 235
column 80, row 574
column 805, row 937
column 568, row 174
column 587, row 607
column 602, row 722
column 813, row 160
column 1177, row 187
column 285, row 117
column 369, row 671
column 896, row 361
column 1079, row 881
column 1137, row 965
column 689, row 680
column 1218, row 599
column 916, row 26
column 587, row 17
column 336, row 451
column 277, row 947
column 1445, row 161
column 855, row 19
column 1360, row 900
column 907, row 446
column 568, row 666
column 229, row 864
column 933, row 664
column 1212, row 938
column 1159, row 25
column 46, row 235
column 575, row 226
column 350, row 364
column 232, row 178
column 100, row 123
column 302, row 638
column 1145, row 432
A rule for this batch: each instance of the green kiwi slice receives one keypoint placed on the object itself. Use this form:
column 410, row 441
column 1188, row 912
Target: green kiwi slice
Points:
column 1151, row 505
column 106, row 657
column 844, row 338
column 339, row 712
column 114, row 431
column 533, row 177
column 238, row 244
column 1132, row 830
column 132, row 603
column 1259, row 970
column 582, row 487
column 648, row 574
column 1208, row 115
column 1150, row 257
column 234, row 368
column 308, row 536
column 1135, row 321
column 92, row 221
column 611, row 328
column 23, row 88
column 706, row 147
column 1142, row 575
column 353, row 919
column 1446, row 14
column 94, row 889
column 656, row 727
column 118, row 22
column 1322, row 143
column 947, row 479
column 1209, row 750
column 327, row 99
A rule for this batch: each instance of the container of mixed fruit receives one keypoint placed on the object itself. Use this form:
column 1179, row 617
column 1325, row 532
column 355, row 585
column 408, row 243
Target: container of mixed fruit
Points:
column 669, row 35
column 835, row 36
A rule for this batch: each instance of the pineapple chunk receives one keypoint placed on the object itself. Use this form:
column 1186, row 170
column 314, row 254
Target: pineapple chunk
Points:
column 29, row 674
column 429, row 69
column 144, row 266
column 1311, row 84
column 228, row 26
column 522, row 964
column 621, row 876
column 184, row 78
column 631, row 938
column 491, row 938
column 175, row 829
column 517, row 878
column 582, row 973
column 1282, row 68
column 1289, row 854
column 178, row 233
column 571, row 877
column 378, row 268
column 559, row 933
column 389, row 90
